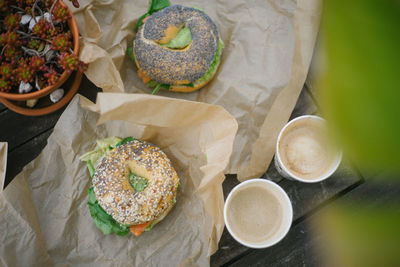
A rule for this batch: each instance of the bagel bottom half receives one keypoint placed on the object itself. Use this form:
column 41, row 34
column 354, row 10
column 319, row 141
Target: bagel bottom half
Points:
column 199, row 83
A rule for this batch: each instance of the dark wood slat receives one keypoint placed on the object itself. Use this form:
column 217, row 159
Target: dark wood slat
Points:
column 17, row 129
column 296, row 249
column 24, row 154
column 305, row 198
column 302, row 246
column 88, row 89
column 2, row 107
column 305, row 105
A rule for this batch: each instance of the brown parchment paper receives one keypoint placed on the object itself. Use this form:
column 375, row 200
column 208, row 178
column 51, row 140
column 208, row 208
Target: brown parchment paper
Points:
column 268, row 48
column 3, row 164
column 45, row 220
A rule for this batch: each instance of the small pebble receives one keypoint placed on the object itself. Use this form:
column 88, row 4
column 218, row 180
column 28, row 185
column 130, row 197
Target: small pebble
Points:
column 24, row 87
column 31, row 102
column 25, row 19
column 32, row 23
column 47, row 16
column 56, row 95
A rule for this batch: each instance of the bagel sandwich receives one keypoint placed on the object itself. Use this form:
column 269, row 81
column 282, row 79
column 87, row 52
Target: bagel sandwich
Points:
column 133, row 187
column 176, row 48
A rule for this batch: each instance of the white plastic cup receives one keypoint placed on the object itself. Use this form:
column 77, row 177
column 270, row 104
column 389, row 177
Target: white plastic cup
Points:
column 285, row 219
column 285, row 172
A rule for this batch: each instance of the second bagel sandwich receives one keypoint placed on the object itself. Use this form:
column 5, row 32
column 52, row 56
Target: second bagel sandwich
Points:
column 134, row 185
column 177, row 48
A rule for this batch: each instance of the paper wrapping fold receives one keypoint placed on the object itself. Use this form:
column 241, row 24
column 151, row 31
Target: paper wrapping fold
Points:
column 268, row 48
column 44, row 216
column 3, row 164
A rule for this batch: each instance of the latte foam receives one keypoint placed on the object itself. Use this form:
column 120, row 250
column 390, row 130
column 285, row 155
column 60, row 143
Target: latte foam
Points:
column 304, row 149
column 255, row 214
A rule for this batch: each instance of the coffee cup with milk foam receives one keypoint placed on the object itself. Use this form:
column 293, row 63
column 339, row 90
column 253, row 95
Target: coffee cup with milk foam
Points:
column 304, row 151
column 258, row 213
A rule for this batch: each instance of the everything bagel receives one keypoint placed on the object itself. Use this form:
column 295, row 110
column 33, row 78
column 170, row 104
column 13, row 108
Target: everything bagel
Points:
column 134, row 185
column 185, row 68
column 116, row 195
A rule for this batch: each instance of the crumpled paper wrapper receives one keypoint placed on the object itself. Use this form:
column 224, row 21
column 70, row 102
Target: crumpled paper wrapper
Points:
column 268, row 49
column 45, row 220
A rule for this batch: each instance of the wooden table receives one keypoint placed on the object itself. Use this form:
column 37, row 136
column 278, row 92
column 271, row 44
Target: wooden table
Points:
column 27, row 136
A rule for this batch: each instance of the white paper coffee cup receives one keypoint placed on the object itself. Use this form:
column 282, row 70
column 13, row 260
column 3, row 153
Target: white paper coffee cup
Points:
column 301, row 146
column 271, row 219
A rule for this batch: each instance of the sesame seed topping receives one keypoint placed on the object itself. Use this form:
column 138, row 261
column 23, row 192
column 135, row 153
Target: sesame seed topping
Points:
column 114, row 193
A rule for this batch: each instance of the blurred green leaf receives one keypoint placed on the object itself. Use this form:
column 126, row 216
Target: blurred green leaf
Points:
column 355, row 234
column 359, row 78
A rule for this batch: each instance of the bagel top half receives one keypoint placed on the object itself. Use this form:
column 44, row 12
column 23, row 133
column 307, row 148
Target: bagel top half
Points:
column 176, row 67
column 119, row 199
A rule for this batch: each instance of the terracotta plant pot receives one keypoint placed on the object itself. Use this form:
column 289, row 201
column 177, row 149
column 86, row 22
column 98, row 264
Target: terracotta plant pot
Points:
column 49, row 109
column 4, row 96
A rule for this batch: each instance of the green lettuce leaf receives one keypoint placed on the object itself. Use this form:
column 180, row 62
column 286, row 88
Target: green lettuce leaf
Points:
column 102, row 220
column 137, row 182
column 140, row 21
column 158, row 86
column 189, row 84
column 103, row 146
column 129, row 51
column 157, row 5
column 125, row 140
column 214, row 64
column 90, row 168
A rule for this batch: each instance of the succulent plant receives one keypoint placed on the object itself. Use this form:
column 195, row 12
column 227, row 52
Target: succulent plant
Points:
column 37, row 63
column 24, row 72
column 3, row 39
column 68, row 61
column 60, row 13
column 20, row 3
column 5, row 85
column 51, row 76
column 61, row 43
column 6, row 70
column 3, row 5
column 35, row 44
column 12, row 38
column 41, row 28
column 11, row 53
column 12, row 21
